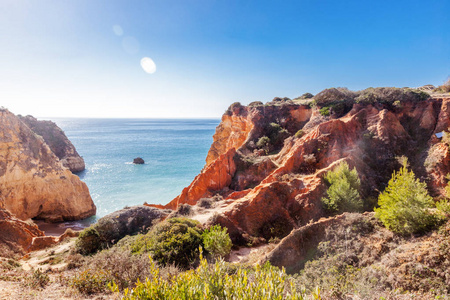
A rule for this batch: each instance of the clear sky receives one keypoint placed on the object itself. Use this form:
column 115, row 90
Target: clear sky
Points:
column 82, row 58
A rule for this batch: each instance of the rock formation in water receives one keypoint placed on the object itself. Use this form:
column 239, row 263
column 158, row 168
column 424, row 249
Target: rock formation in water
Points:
column 268, row 161
column 55, row 138
column 138, row 161
column 33, row 181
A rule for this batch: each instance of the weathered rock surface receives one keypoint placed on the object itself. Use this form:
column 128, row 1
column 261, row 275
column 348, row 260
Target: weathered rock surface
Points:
column 214, row 178
column 138, row 161
column 16, row 235
column 33, row 181
column 58, row 142
column 128, row 221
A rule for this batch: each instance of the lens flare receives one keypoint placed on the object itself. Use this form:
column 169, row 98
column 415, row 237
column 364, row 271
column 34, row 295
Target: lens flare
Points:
column 118, row 30
column 148, row 65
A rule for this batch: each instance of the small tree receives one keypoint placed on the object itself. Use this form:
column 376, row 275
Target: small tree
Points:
column 404, row 205
column 343, row 190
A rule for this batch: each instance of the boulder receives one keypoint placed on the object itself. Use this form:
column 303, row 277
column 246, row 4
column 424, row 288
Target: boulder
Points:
column 138, row 161
column 128, row 221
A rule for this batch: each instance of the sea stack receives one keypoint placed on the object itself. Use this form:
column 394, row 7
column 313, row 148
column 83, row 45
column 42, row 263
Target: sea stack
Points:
column 138, row 161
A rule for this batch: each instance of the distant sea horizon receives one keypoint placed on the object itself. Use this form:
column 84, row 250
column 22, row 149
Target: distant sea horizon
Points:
column 174, row 151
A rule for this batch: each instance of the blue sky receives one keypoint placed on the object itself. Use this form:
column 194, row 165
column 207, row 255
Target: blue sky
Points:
column 63, row 59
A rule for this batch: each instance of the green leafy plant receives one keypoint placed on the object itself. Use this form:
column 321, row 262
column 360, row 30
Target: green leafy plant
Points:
column 343, row 190
column 90, row 282
column 217, row 241
column 88, row 241
column 299, row 134
column 216, row 282
column 325, row 111
column 405, row 204
column 173, row 241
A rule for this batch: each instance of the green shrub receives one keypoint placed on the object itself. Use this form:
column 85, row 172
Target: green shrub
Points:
column 216, row 282
column 277, row 134
column 263, row 143
column 333, row 96
column 217, row 241
column 174, row 241
column 306, row 96
column 343, row 190
column 88, row 241
column 325, row 111
column 443, row 208
column 299, row 134
column 404, row 206
column 90, row 282
column 38, row 279
column 390, row 95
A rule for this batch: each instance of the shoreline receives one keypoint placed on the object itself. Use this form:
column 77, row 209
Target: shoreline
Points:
column 56, row 229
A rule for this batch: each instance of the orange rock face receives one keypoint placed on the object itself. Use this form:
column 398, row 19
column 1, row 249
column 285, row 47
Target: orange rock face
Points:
column 231, row 133
column 213, row 178
column 269, row 195
column 16, row 234
column 33, row 181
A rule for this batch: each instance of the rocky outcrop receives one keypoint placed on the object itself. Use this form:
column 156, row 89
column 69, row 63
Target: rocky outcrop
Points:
column 33, row 181
column 269, row 191
column 55, row 138
column 138, row 161
column 213, row 178
column 16, row 235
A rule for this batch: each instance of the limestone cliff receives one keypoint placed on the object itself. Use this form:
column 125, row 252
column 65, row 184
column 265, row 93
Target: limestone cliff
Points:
column 268, row 161
column 55, row 138
column 33, row 181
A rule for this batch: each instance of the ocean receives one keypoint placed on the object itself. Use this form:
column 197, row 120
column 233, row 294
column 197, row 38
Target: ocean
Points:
column 174, row 152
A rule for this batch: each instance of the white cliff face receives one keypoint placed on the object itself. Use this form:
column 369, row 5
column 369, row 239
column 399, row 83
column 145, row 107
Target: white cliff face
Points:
column 33, row 181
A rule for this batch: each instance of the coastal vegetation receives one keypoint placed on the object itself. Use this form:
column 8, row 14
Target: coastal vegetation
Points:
column 343, row 190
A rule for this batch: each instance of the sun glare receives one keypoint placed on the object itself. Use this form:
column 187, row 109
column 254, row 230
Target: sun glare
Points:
column 148, row 65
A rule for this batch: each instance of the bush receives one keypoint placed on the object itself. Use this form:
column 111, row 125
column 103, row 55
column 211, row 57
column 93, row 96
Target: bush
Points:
column 445, row 88
column 334, row 95
column 325, row 111
column 277, row 134
column 256, row 103
column 263, row 143
column 215, row 282
column 184, row 209
column 404, row 206
column 306, row 96
column 38, row 279
column 299, row 134
column 217, row 241
column 390, row 95
column 88, row 241
column 174, row 241
column 90, row 282
column 343, row 190
column 234, row 108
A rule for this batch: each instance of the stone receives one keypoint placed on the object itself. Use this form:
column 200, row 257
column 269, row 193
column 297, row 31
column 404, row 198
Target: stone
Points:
column 138, row 161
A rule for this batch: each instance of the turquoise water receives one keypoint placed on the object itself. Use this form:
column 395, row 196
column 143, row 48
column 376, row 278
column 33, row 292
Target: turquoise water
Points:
column 174, row 152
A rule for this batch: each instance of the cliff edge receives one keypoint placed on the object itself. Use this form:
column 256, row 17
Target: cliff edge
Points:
column 33, row 181
column 267, row 161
